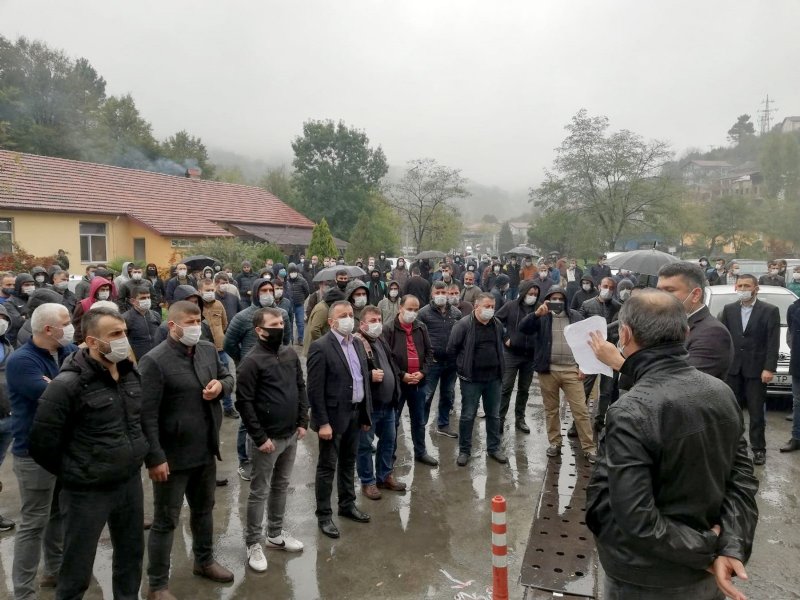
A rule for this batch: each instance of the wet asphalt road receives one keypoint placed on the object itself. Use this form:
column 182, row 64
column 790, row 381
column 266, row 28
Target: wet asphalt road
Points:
column 434, row 541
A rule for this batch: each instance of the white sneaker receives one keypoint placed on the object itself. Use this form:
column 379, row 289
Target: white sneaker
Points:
column 256, row 559
column 284, row 542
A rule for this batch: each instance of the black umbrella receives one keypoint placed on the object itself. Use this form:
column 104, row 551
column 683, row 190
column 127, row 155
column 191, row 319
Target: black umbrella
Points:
column 329, row 273
column 429, row 254
column 646, row 262
column 521, row 251
column 199, row 262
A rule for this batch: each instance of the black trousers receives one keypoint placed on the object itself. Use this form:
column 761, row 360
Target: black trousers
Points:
column 339, row 451
column 752, row 394
column 522, row 365
column 609, row 392
column 86, row 512
column 198, row 485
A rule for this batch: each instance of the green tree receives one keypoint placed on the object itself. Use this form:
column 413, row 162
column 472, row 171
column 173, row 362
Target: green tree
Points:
column 232, row 251
column 780, row 165
column 377, row 229
column 506, row 240
column 122, row 136
column 188, row 151
column 564, row 231
column 335, row 172
column 231, row 175
column 741, row 129
column 427, row 190
column 488, row 218
column 615, row 180
column 444, row 231
column 322, row 243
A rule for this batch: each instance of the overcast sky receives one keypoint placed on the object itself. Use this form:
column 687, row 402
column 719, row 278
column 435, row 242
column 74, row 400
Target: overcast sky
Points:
column 486, row 86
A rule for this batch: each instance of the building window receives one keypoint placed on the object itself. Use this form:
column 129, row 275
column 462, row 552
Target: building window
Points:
column 93, row 242
column 6, row 236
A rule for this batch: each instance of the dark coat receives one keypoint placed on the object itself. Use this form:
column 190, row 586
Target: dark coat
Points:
column 87, row 429
column 581, row 295
column 419, row 287
column 439, row 325
column 756, row 348
column 181, row 427
column 395, row 337
column 173, row 284
column 271, row 393
column 461, row 345
column 142, row 330
column 372, row 363
column 709, row 344
column 793, row 337
column 511, row 315
column 330, row 385
column 650, row 502
column 542, row 328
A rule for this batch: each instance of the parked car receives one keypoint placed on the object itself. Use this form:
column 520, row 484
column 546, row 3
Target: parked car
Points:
column 717, row 296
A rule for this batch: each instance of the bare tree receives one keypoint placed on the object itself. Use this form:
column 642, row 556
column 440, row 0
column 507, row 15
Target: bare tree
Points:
column 425, row 190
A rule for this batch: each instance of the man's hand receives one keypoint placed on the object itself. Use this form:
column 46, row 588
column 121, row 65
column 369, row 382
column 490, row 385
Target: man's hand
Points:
column 377, row 375
column 543, row 309
column 46, row 378
column 419, row 376
column 508, row 343
column 410, row 379
column 267, row 447
column 605, row 351
column 212, row 390
column 723, row 568
column 301, row 433
column 325, row 432
column 159, row 472
column 581, row 375
column 767, row 376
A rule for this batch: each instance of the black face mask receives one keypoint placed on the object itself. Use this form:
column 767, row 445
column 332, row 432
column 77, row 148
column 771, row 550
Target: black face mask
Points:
column 151, row 272
column 341, row 285
column 275, row 339
column 8, row 291
column 556, row 306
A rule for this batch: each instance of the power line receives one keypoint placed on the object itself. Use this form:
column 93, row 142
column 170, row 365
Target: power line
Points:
column 765, row 114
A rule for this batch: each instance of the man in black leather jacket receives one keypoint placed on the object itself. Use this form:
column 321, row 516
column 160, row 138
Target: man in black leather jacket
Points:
column 673, row 492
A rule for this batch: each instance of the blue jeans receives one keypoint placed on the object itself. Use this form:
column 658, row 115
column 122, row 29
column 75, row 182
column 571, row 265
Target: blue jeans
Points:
column 5, row 436
column 299, row 321
column 227, row 401
column 471, row 393
column 414, row 396
column 241, row 443
column 383, row 425
column 443, row 373
column 795, row 408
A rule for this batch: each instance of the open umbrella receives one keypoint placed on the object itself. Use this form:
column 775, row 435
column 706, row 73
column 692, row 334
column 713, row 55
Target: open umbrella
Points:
column 646, row 262
column 521, row 251
column 196, row 263
column 429, row 254
column 329, row 273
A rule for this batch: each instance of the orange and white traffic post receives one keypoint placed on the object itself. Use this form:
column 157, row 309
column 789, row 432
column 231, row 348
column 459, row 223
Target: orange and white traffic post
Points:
column 499, row 550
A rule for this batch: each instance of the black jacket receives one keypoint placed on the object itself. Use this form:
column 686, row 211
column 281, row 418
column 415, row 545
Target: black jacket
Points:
column 709, row 344
column 181, row 427
column 793, row 337
column 650, row 502
column 373, row 363
column 245, row 281
column 37, row 298
column 271, row 393
column 439, row 326
column 756, row 348
column 511, row 315
column 461, row 345
column 142, row 330
column 5, row 401
column 582, row 295
column 299, row 288
column 418, row 287
column 395, row 337
column 330, row 385
column 542, row 328
column 87, row 429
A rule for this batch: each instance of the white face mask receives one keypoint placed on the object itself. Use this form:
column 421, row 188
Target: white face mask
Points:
column 393, row 293
column 278, row 294
column 744, row 296
column 531, row 300
column 440, row 300
column 374, row 330
column 28, row 289
column 3, row 326
column 796, row 276
column 773, row 272
column 359, row 301
column 120, row 349
column 145, row 304
column 69, row 335
column 266, row 299
column 292, row 275
column 453, row 300
column 587, row 287
column 136, row 276
column 469, row 285
column 624, row 295
column 103, row 295
column 191, row 335
column 408, row 316
column 208, row 296
column 39, row 279
column 487, row 314
column 605, row 293
column 345, row 325
column 181, row 272
column 61, row 285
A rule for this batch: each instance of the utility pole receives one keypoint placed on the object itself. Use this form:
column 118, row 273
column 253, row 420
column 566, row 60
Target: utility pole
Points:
column 765, row 118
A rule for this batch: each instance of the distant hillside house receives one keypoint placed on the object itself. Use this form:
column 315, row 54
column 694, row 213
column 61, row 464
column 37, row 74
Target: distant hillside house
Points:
column 790, row 124
column 99, row 212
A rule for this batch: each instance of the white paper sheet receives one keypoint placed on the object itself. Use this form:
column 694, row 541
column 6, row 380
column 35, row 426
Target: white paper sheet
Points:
column 577, row 336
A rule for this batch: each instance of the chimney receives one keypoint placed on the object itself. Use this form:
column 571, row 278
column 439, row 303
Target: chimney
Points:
column 193, row 173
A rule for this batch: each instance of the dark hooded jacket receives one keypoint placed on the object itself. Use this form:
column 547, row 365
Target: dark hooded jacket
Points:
column 511, row 314
column 40, row 271
column 498, row 292
column 87, row 428
column 582, row 295
column 298, row 286
column 376, row 288
column 183, row 292
column 84, row 305
column 240, row 337
column 542, row 330
column 38, row 297
column 17, row 308
column 352, row 286
column 158, row 291
column 5, row 402
column 142, row 329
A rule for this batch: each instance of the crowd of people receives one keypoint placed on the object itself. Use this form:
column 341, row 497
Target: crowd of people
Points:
column 129, row 370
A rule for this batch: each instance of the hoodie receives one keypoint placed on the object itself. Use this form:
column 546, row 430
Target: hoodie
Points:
column 582, row 295
column 352, row 286
column 40, row 271
column 124, row 276
column 84, row 305
column 17, row 307
column 511, row 314
column 542, row 329
column 241, row 335
column 38, row 297
column 7, row 349
column 498, row 292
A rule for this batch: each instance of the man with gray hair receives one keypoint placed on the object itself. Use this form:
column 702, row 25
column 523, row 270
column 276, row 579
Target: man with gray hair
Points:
column 668, row 525
column 29, row 369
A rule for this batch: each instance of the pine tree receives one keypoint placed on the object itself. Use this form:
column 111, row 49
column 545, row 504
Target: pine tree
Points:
column 506, row 240
column 322, row 243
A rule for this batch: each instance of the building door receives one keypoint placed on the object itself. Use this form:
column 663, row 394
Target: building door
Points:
column 139, row 253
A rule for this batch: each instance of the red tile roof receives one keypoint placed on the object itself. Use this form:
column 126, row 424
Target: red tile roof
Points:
column 170, row 205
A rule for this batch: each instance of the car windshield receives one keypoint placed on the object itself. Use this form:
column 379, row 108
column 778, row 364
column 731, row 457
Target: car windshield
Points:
column 782, row 301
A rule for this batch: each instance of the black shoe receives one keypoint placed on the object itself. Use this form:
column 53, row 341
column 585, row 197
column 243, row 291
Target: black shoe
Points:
column 427, row 459
column 572, row 431
column 598, row 425
column 231, row 413
column 354, row 514
column 792, row 445
column 591, row 457
column 499, row 456
column 522, row 426
column 446, row 432
column 759, row 457
column 6, row 524
column 553, row 451
column 329, row 529
column 222, row 482
column 462, row 460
